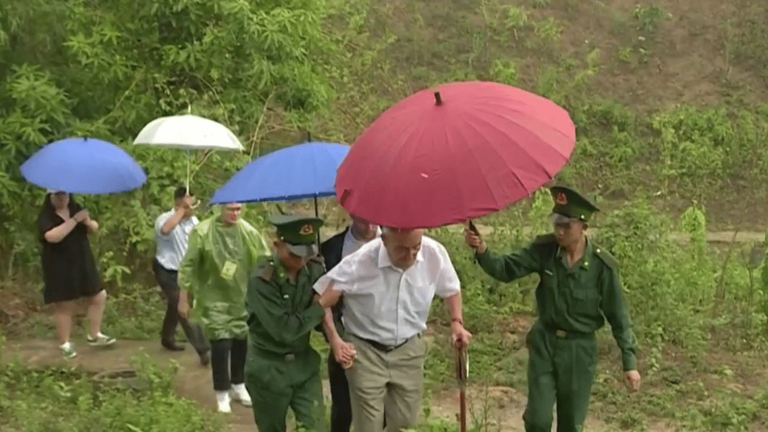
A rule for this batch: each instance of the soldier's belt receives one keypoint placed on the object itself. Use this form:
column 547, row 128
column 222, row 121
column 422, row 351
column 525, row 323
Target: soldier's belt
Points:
column 289, row 357
column 566, row 334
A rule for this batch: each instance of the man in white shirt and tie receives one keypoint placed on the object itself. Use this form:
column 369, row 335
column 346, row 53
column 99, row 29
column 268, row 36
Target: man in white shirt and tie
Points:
column 171, row 240
column 388, row 287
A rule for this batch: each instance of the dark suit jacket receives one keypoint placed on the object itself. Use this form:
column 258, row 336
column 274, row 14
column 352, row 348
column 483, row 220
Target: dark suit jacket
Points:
column 331, row 251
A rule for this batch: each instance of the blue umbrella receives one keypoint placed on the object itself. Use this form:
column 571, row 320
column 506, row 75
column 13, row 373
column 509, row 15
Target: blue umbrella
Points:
column 83, row 165
column 298, row 172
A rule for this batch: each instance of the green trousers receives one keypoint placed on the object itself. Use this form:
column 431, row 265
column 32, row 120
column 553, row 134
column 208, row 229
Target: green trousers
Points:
column 277, row 383
column 561, row 369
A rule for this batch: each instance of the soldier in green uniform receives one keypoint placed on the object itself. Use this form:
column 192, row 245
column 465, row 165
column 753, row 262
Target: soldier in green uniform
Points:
column 283, row 370
column 579, row 288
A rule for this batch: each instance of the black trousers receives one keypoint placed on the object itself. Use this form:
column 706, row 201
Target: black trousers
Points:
column 228, row 362
column 168, row 283
column 341, row 408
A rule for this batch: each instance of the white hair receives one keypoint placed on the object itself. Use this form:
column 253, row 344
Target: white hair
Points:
column 390, row 230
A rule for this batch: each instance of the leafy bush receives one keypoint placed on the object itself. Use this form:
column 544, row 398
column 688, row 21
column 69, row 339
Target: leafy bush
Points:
column 274, row 70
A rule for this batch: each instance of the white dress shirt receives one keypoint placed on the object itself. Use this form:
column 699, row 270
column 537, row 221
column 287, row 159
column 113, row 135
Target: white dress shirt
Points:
column 383, row 303
column 170, row 248
column 351, row 244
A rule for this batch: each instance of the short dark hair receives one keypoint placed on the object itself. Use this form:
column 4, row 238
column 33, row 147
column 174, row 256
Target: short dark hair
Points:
column 181, row 192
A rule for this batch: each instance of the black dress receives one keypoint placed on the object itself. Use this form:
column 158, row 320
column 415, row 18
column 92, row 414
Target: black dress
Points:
column 69, row 270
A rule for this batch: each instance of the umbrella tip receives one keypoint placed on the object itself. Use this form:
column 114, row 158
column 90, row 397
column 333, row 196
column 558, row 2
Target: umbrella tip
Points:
column 438, row 99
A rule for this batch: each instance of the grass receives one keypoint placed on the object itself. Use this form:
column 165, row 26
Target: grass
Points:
column 66, row 400
column 700, row 351
column 668, row 99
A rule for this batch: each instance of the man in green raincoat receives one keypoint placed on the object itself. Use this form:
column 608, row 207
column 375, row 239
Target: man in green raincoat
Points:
column 222, row 252
column 283, row 370
column 579, row 288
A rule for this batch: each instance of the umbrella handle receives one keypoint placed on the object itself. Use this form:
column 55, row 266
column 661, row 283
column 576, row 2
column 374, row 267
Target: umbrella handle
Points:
column 473, row 228
column 317, row 215
column 189, row 156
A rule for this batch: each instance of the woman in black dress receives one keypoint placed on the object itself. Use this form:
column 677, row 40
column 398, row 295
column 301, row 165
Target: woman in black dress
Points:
column 69, row 270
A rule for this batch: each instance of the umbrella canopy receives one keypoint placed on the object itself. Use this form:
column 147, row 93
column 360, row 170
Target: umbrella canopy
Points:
column 298, row 172
column 442, row 157
column 188, row 132
column 83, row 165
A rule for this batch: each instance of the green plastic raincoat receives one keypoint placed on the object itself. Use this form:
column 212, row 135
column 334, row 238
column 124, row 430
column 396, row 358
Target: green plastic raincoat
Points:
column 215, row 269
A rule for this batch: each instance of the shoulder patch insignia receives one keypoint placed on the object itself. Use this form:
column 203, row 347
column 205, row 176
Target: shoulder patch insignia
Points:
column 317, row 260
column 266, row 271
column 606, row 257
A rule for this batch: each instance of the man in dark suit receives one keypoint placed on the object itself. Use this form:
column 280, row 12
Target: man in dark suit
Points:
column 358, row 233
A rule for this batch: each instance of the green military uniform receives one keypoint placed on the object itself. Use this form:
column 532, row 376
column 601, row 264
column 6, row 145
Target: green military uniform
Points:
column 572, row 303
column 283, row 370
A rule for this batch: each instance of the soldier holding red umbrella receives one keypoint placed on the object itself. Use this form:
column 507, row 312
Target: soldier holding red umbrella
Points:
column 579, row 285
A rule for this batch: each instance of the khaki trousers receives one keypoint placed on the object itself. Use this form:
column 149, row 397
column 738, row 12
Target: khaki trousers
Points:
column 386, row 382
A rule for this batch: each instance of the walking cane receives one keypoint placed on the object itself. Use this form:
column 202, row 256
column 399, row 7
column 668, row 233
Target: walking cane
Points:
column 462, row 372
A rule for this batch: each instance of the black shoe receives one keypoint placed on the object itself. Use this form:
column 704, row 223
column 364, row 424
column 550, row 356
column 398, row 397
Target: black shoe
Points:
column 172, row 346
column 205, row 358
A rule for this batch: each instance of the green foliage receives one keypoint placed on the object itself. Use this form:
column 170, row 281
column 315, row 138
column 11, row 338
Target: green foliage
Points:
column 271, row 71
column 107, row 71
column 648, row 17
column 36, row 399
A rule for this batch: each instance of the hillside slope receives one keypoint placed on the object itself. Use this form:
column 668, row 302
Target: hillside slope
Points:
column 666, row 96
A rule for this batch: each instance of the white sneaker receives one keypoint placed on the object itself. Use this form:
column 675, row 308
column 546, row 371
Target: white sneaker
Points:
column 101, row 340
column 222, row 398
column 240, row 394
column 68, row 350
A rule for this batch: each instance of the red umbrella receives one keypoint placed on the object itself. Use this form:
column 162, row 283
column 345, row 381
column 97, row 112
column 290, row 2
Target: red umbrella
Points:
column 441, row 157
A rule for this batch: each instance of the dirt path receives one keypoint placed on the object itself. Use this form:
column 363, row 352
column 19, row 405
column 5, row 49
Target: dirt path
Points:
column 192, row 381
column 500, row 408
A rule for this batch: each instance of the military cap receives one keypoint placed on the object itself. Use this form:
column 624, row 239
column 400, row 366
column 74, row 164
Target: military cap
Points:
column 298, row 232
column 569, row 204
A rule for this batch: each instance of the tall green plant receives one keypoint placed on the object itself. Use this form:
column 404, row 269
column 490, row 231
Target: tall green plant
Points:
column 78, row 68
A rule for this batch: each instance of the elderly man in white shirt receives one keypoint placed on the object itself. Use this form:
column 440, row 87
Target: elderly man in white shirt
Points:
column 388, row 287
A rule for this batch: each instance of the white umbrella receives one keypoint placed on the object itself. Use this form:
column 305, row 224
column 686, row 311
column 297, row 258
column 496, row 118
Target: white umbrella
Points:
column 188, row 132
